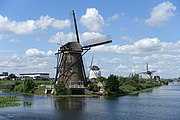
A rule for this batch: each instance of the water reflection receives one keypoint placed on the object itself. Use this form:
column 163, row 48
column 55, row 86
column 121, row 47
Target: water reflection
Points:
column 145, row 93
column 69, row 104
column 27, row 100
column 161, row 103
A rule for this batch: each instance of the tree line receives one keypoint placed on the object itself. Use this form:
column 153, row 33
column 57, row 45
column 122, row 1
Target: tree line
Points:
column 119, row 85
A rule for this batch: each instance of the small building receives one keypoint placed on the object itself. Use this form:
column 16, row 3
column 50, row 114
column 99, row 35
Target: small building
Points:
column 3, row 75
column 35, row 76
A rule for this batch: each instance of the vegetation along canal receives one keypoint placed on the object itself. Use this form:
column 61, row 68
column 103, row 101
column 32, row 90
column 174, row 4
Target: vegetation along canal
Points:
column 159, row 103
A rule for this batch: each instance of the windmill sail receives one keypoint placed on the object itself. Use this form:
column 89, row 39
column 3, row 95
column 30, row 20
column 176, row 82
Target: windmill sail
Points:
column 97, row 41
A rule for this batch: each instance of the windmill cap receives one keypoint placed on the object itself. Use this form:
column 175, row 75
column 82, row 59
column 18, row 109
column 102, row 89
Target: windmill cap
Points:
column 95, row 67
column 72, row 46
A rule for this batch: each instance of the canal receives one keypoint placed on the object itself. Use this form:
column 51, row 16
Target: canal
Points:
column 161, row 103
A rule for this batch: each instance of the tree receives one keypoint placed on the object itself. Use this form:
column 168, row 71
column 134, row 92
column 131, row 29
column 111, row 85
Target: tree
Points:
column 101, row 79
column 29, row 86
column 11, row 76
column 112, row 84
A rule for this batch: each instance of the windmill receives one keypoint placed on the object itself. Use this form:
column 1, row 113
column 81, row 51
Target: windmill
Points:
column 94, row 71
column 148, row 73
column 70, row 68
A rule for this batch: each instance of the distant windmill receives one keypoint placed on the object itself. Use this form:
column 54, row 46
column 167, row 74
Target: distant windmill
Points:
column 94, row 71
column 148, row 73
column 70, row 68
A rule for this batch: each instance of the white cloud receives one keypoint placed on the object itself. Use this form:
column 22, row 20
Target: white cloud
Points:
column 161, row 14
column 89, row 38
column 22, row 64
column 3, row 36
column 140, row 47
column 14, row 40
column 92, row 20
column 113, row 18
column 90, row 35
column 121, row 67
column 50, row 53
column 127, row 38
column 62, row 38
column 148, row 44
column 112, row 60
column 33, row 52
column 29, row 26
column 60, row 24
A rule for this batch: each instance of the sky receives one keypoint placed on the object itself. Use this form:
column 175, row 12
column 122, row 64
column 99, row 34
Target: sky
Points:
column 141, row 31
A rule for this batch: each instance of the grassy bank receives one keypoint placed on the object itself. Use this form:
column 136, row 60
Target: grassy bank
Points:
column 9, row 101
column 113, row 85
column 28, row 86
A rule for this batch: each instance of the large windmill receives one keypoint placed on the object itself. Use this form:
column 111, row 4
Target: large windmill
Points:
column 148, row 73
column 70, row 68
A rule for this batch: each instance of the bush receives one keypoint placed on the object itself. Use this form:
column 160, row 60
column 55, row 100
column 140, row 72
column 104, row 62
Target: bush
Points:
column 29, row 86
column 60, row 88
column 90, row 87
column 125, row 89
column 93, row 87
column 112, row 84
column 19, row 88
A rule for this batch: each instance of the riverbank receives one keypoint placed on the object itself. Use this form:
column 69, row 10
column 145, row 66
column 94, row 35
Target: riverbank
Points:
column 112, row 86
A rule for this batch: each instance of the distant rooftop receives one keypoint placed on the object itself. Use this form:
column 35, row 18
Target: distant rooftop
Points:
column 39, row 73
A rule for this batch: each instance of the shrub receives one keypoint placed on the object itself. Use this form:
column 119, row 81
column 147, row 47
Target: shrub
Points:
column 112, row 84
column 29, row 86
column 60, row 88
column 125, row 89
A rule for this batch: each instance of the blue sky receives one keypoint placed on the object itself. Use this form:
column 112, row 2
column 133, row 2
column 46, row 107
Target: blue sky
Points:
column 141, row 31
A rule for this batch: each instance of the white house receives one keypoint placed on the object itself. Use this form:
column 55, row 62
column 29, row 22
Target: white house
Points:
column 3, row 75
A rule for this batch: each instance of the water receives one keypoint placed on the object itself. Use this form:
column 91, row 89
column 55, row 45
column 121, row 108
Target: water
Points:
column 161, row 103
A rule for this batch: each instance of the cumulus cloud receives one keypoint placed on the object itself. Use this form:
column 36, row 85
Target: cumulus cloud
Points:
column 33, row 52
column 92, row 20
column 90, row 35
column 18, row 64
column 62, row 38
column 89, row 38
column 29, row 26
column 161, row 14
column 143, row 46
column 50, row 53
